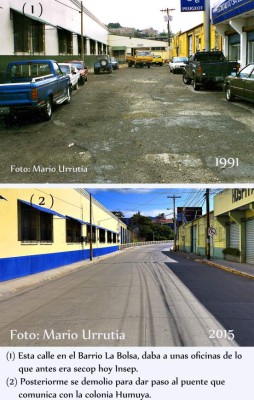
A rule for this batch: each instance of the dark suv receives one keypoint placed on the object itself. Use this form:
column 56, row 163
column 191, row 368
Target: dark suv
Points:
column 103, row 63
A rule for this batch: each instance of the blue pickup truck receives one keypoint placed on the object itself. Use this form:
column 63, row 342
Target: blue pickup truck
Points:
column 31, row 86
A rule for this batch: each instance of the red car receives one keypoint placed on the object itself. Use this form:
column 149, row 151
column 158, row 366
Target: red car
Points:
column 80, row 65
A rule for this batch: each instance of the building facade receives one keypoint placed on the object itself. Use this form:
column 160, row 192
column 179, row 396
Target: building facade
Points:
column 186, row 43
column 233, row 225
column 234, row 20
column 47, row 228
column 55, row 29
column 49, row 29
column 122, row 45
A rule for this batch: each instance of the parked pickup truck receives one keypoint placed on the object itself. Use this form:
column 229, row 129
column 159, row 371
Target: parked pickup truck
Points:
column 207, row 68
column 33, row 85
column 140, row 59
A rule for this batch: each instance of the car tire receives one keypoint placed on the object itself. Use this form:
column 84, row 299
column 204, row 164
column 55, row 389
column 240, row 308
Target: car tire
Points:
column 82, row 81
column 47, row 110
column 186, row 79
column 104, row 62
column 75, row 87
column 229, row 96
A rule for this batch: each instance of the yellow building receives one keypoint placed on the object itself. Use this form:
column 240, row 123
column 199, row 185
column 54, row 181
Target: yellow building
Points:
column 233, row 223
column 184, row 44
column 47, row 228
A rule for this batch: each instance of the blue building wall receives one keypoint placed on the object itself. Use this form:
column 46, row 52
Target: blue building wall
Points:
column 17, row 267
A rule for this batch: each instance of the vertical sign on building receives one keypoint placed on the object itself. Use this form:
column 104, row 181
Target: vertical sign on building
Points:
column 192, row 5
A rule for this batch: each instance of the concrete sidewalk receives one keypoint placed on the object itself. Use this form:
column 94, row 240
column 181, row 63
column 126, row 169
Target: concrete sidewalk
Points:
column 15, row 286
column 243, row 269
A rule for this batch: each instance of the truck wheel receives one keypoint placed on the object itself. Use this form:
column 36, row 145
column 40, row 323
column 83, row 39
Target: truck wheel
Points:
column 47, row 110
column 229, row 95
column 186, row 79
column 196, row 86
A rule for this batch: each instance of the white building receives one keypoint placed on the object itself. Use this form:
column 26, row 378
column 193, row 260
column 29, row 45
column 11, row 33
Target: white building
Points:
column 54, row 28
column 234, row 20
column 50, row 27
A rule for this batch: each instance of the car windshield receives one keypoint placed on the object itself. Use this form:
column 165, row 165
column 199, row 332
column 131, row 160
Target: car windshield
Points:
column 26, row 72
column 65, row 68
column 78, row 65
column 102, row 57
column 209, row 57
column 180, row 59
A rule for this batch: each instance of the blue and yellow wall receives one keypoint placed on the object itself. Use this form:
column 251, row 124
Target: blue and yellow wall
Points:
column 20, row 256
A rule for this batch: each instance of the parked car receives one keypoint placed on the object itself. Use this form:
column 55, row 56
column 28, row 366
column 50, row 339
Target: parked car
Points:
column 103, row 64
column 177, row 64
column 73, row 73
column 114, row 63
column 82, row 68
column 208, row 69
column 240, row 84
column 157, row 60
column 32, row 86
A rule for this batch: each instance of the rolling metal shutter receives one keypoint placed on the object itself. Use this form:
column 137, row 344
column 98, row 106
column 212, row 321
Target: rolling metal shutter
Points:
column 234, row 236
column 250, row 241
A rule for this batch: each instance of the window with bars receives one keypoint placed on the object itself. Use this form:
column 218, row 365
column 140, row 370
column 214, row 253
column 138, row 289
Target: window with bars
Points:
column 109, row 237
column 64, row 41
column 34, row 225
column 88, row 233
column 73, row 231
column 102, row 236
column 29, row 34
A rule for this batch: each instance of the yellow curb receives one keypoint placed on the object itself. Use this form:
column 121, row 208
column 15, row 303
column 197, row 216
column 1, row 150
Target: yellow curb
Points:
column 228, row 269
column 219, row 266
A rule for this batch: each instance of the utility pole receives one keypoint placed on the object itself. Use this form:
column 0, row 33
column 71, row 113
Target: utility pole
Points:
column 207, row 194
column 207, row 24
column 82, row 32
column 174, row 206
column 91, row 230
column 168, row 18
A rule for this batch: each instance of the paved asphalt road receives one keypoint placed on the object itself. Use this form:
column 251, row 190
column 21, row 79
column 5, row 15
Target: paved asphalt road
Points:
column 146, row 296
column 137, row 125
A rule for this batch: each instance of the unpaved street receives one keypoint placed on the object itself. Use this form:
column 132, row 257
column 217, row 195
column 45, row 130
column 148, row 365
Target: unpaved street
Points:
column 134, row 126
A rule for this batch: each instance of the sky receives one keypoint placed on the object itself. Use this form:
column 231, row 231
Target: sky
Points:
column 142, row 14
column 150, row 202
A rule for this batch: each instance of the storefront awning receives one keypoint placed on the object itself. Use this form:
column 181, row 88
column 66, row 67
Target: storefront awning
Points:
column 118, row 47
column 77, row 220
column 229, row 9
column 33, row 17
column 42, row 209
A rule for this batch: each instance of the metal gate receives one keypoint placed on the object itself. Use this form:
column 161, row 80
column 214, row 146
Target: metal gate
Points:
column 250, row 241
column 194, row 239
column 234, row 236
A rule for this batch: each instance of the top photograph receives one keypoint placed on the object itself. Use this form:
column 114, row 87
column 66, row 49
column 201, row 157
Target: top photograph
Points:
column 142, row 92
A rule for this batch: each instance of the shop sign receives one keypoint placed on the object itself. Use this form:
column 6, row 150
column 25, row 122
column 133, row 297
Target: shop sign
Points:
column 192, row 5
column 240, row 194
column 229, row 9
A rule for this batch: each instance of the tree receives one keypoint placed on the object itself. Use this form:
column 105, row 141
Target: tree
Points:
column 114, row 25
column 161, row 216
column 118, row 214
column 146, row 230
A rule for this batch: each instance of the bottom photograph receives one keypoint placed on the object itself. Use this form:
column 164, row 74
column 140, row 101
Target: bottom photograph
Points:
column 126, row 266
